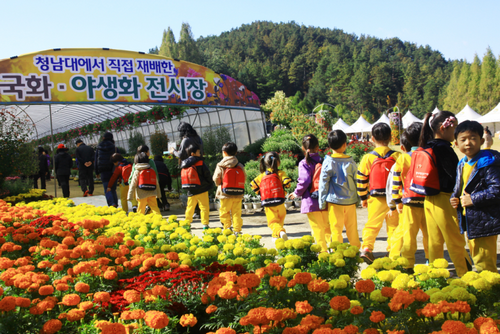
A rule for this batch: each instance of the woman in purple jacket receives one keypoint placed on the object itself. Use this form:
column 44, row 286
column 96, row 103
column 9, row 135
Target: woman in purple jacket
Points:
column 318, row 219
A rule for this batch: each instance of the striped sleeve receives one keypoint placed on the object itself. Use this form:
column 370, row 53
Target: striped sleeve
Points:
column 362, row 177
column 397, row 183
column 255, row 184
column 285, row 180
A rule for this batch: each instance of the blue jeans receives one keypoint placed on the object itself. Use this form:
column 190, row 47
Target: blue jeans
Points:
column 111, row 196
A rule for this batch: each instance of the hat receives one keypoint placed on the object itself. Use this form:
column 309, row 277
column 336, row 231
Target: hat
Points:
column 108, row 136
column 79, row 141
column 61, row 147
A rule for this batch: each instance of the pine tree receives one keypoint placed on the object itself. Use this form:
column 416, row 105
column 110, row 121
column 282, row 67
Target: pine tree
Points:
column 452, row 88
column 487, row 83
column 168, row 46
column 475, row 78
column 187, row 48
column 462, row 96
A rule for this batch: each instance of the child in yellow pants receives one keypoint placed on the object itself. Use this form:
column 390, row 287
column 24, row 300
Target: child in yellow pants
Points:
column 230, row 188
column 476, row 195
column 121, row 172
column 144, row 196
column 273, row 182
column 438, row 132
column 197, row 180
column 309, row 168
column 373, row 172
column 337, row 187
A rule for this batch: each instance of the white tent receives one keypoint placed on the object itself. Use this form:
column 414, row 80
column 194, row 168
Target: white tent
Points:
column 409, row 118
column 467, row 114
column 491, row 119
column 436, row 110
column 361, row 125
column 340, row 125
column 383, row 119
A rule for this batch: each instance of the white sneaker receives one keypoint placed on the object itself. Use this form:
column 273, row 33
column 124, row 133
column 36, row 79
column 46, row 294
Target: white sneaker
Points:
column 274, row 241
column 196, row 216
column 283, row 236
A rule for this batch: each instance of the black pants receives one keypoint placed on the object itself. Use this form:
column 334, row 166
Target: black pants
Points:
column 41, row 176
column 163, row 202
column 86, row 178
column 64, row 182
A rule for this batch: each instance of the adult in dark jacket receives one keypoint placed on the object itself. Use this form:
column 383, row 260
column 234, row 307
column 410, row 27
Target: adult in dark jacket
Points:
column 85, row 156
column 105, row 167
column 43, row 169
column 165, row 180
column 63, row 164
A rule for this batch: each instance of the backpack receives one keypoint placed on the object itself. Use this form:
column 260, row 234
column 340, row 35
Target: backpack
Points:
column 379, row 173
column 388, row 189
column 423, row 176
column 147, row 179
column 189, row 176
column 126, row 171
column 315, row 181
column 233, row 181
column 271, row 190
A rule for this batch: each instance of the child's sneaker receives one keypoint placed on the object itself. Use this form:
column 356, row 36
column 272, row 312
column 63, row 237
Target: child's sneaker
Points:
column 196, row 216
column 238, row 234
column 147, row 210
column 134, row 209
column 283, row 236
column 205, row 227
column 367, row 256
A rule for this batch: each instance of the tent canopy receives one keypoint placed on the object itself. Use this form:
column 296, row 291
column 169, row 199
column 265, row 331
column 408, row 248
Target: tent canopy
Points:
column 467, row 114
column 361, row 125
column 382, row 119
column 492, row 117
column 340, row 125
column 436, row 110
column 409, row 119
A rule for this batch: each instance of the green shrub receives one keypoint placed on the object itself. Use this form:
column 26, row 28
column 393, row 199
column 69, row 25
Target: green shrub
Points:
column 281, row 140
column 357, row 149
column 18, row 186
column 159, row 142
column 136, row 139
column 214, row 139
column 255, row 148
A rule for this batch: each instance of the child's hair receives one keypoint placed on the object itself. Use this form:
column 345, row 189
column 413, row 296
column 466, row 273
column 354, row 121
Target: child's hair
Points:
column 432, row 122
column 471, row 126
column 381, row 132
column 270, row 160
column 309, row 142
column 410, row 136
column 230, row 148
column 158, row 157
column 143, row 148
column 191, row 149
column 116, row 157
column 141, row 158
column 336, row 139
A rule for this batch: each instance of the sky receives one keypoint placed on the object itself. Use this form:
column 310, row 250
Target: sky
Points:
column 458, row 29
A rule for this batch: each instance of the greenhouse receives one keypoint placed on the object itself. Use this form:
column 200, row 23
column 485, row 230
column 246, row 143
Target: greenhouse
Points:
column 80, row 93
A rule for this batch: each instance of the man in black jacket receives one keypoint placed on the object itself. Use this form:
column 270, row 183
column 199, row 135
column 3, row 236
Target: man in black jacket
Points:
column 85, row 156
column 105, row 167
column 43, row 169
column 63, row 164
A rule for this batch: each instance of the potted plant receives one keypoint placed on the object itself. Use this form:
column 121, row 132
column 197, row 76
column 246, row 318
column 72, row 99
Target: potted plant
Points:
column 297, row 202
column 211, row 200
column 257, row 204
column 159, row 142
column 247, row 201
column 217, row 204
column 288, row 202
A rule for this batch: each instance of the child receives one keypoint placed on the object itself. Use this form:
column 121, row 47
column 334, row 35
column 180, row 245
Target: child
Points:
column 410, row 206
column 144, row 184
column 143, row 149
column 337, row 186
column 270, row 185
column 123, row 169
column 372, row 176
column 476, row 195
column 196, row 179
column 165, row 180
column 309, row 172
column 437, row 134
column 229, row 177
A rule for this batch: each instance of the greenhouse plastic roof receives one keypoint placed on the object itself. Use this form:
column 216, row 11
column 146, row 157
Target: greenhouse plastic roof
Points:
column 69, row 116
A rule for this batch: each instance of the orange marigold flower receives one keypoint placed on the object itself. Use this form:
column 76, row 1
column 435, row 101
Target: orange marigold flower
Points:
column 371, row 331
column 82, row 287
column 312, row 321
column 156, row 319
column 229, row 276
column 86, row 305
column 160, row 290
column 257, row 316
column 462, row 306
column 75, row 315
column 377, row 316
column 396, row 332
column 356, row 310
column 23, row 302
column 52, row 326
column 303, row 278
column 137, row 314
column 340, row 303
column 303, row 307
column 101, row 297
column 279, row 282
column 188, row 320
column 420, row 295
column 454, row 327
column 489, row 328
column 225, row 331
column 62, row 287
column 318, row 285
column 172, row 256
column 292, row 283
column 71, row 299
column 431, row 310
column 351, row 329
column 110, row 274
column 211, row 309
column 388, row 292
column 228, row 291
column 46, row 290
column 274, row 314
column 480, row 321
column 57, row 267
column 8, row 303
column 365, row 286
column 248, row 281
